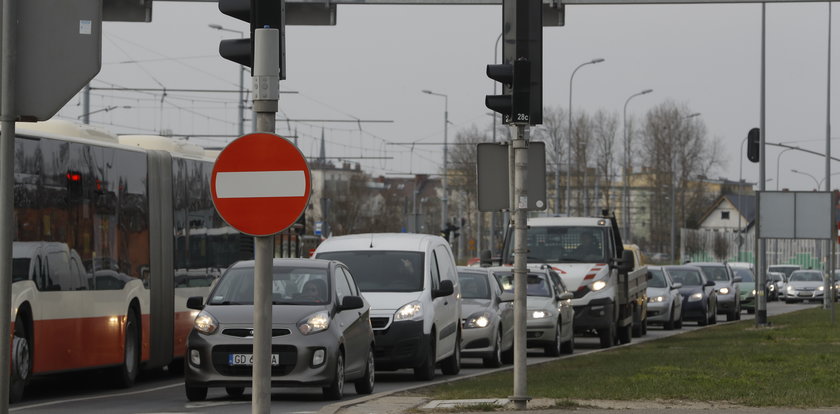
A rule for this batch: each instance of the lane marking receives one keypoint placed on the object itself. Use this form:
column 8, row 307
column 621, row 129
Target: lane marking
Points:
column 96, row 397
column 259, row 184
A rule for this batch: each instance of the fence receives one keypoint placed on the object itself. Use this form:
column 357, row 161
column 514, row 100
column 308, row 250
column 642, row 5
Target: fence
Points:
column 704, row 245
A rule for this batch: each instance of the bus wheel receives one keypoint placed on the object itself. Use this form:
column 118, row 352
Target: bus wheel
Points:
column 131, row 363
column 21, row 360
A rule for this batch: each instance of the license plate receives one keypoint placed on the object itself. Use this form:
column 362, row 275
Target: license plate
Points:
column 248, row 359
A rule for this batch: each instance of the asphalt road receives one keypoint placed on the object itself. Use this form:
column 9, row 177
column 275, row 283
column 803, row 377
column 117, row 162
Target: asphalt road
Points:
column 158, row 391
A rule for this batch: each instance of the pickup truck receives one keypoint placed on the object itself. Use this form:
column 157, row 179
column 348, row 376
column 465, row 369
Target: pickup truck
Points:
column 609, row 286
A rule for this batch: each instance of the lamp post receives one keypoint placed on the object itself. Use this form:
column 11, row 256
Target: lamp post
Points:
column 444, row 201
column 778, row 161
column 569, row 155
column 241, row 105
column 674, row 196
column 626, row 191
column 817, row 182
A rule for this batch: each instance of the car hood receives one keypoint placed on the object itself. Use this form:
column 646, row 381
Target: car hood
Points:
column 390, row 301
column 799, row 285
column 690, row 290
column 244, row 314
column 471, row 306
column 654, row 292
column 539, row 302
column 746, row 286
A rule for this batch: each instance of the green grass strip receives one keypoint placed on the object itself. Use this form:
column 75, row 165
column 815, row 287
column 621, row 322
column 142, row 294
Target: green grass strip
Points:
column 793, row 363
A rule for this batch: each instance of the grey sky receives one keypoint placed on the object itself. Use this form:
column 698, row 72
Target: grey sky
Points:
column 375, row 62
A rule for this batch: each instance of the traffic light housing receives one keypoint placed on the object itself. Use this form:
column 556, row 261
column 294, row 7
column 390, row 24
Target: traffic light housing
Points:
column 261, row 14
column 515, row 104
column 754, row 145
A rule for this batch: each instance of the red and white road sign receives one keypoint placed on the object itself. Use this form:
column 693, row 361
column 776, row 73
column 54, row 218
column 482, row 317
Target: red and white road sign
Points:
column 260, row 184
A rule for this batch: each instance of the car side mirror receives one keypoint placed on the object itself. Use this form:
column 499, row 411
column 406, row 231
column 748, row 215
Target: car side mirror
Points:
column 486, row 258
column 737, row 279
column 677, row 285
column 195, row 302
column 710, row 283
column 506, row 297
column 565, row 296
column 627, row 262
column 649, row 275
column 351, row 302
column 446, row 288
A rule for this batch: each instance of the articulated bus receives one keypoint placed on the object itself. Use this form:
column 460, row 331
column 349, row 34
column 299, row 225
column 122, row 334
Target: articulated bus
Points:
column 112, row 235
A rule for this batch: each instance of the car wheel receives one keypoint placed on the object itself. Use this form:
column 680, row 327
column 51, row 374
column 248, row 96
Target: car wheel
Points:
column 553, row 349
column 21, row 360
column 607, row 336
column 644, row 327
column 131, row 362
column 669, row 324
column 495, row 358
column 336, row 388
column 625, row 334
column 751, row 311
column 452, row 364
column 365, row 384
column 235, row 392
column 568, row 347
column 426, row 371
column 507, row 355
column 731, row 316
column 196, row 393
column 679, row 323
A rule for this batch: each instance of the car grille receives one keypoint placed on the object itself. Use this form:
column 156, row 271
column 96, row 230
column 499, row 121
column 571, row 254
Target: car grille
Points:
column 249, row 333
column 288, row 359
column 379, row 322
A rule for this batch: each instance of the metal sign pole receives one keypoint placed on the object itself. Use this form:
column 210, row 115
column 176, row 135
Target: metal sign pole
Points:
column 266, row 89
column 8, row 114
column 520, row 263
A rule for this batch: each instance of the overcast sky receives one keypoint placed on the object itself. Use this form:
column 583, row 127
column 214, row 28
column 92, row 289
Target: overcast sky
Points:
column 374, row 63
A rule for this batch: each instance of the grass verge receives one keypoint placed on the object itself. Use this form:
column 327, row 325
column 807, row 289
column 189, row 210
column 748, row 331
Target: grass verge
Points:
column 794, row 363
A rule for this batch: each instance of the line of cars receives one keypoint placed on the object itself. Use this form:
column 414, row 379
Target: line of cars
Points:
column 366, row 303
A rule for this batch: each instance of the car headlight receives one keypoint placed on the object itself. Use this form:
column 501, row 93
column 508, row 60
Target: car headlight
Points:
column 695, row 297
column 597, row 285
column 477, row 320
column 408, row 312
column 753, row 292
column 656, row 299
column 772, row 288
column 790, row 289
column 314, row 323
column 724, row 291
column 540, row 314
column 205, row 323
column 821, row 288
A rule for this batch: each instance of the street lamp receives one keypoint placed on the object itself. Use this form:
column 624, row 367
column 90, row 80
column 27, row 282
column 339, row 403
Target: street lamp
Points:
column 674, row 196
column 569, row 155
column 241, row 79
column 817, row 182
column 778, row 161
column 626, row 192
column 444, row 201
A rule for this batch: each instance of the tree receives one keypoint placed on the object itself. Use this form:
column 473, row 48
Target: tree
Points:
column 605, row 126
column 554, row 133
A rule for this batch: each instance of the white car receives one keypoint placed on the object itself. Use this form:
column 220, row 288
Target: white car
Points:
column 804, row 285
column 411, row 283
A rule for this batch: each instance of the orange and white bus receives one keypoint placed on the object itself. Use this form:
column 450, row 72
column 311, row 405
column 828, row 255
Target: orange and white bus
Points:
column 112, row 235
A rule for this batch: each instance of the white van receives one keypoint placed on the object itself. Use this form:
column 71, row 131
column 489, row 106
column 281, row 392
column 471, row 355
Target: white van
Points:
column 411, row 283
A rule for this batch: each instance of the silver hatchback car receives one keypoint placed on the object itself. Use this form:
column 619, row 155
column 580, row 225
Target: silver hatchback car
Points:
column 321, row 334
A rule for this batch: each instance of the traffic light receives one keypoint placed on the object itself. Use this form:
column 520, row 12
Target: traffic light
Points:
column 261, row 14
column 754, row 145
column 74, row 185
column 450, row 232
column 514, row 104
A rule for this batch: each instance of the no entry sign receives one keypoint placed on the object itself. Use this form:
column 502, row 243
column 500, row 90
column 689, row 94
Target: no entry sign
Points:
column 260, row 184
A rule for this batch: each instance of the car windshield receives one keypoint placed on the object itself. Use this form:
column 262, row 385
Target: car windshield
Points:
column 745, row 274
column 382, row 271
column 688, row 277
column 474, row 285
column 787, row 270
column 806, row 277
column 537, row 283
column 565, row 244
column 289, row 286
column 658, row 279
column 716, row 273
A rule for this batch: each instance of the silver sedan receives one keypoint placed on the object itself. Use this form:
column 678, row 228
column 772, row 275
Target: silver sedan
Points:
column 487, row 317
column 664, row 299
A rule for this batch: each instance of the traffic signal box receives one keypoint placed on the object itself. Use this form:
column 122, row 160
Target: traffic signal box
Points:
column 261, row 14
column 521, row 70
column 754, row 145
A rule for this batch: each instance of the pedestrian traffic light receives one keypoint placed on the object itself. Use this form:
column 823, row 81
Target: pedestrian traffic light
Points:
column 261, row 14
column 514, row 104
column 754, row 145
